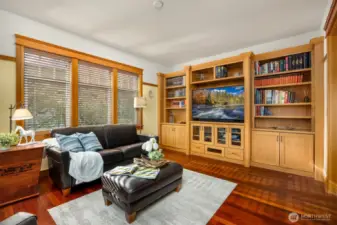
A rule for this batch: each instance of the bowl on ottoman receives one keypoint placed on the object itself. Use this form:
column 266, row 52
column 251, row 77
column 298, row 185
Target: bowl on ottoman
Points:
column 132, row 194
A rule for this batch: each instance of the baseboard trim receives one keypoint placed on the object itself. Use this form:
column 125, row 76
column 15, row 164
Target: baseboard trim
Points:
column 331, row 187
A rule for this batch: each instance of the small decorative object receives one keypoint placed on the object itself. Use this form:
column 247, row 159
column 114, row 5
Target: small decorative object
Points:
column 154, row 153
column 144, row 162
column 237, row 74
column 171, row 118
column 5, row 141
column 306, row 96
column 25, row 134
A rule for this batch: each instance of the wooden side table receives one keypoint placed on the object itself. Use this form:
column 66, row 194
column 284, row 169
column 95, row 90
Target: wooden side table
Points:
column 19, row 172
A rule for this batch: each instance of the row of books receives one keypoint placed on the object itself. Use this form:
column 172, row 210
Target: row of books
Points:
column 291, row 79
column 262, row 111
column 177, row 104
column 291, row 62
column 176, row 81
column 221, row 71
column 274, row 97
column 176, row 93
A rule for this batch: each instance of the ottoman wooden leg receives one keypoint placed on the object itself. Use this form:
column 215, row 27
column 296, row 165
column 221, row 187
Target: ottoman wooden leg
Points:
column 107, row 202
column 66, row 192
column 178, row 188
column 130, row 217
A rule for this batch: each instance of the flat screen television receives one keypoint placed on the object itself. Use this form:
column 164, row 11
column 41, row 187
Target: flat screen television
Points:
column 221, row 104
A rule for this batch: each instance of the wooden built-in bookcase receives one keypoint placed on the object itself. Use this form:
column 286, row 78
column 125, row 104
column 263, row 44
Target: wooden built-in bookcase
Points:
column 282, row 137
column 286, row 89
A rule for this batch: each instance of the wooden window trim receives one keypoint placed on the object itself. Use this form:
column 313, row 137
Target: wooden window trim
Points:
column 22, row 42
column 59, row 50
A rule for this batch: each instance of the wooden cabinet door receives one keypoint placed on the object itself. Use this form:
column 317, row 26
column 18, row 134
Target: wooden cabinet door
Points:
column 167, row 135
column 236, row 137
column 265, row 148
column 196, row 133
column 207, row 134
column 180, row 136
column 221, row 135
column 296, row 151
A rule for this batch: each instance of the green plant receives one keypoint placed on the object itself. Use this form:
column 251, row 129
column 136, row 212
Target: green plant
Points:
column 7, row 139
column 156, row 155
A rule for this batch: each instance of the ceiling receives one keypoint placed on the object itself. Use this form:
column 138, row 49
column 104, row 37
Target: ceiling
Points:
column 182, row 30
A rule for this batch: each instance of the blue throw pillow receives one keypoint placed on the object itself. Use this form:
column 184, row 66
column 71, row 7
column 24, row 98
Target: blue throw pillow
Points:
column 69, row 142
column 90, row 142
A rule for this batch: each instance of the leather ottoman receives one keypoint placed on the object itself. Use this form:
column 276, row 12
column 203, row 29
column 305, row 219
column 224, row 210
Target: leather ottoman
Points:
column 133, row 194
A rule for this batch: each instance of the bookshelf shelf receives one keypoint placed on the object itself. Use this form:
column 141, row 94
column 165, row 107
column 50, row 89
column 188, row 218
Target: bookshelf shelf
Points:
column 173, row 98
column 284, row 85
column 286, row 104
column 296, row 131
column 171, row 108
column 283, row 73
column 283, row 117
column 218, row 79
column 175, row 87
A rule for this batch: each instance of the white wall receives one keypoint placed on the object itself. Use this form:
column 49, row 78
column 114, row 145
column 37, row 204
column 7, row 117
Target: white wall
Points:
column 11, row 24
column 256, row 49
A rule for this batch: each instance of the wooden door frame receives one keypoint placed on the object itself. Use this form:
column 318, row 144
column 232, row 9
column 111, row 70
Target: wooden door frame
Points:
column 331, row 36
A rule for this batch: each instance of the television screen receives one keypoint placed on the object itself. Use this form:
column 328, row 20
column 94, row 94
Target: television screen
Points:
column 222, row 104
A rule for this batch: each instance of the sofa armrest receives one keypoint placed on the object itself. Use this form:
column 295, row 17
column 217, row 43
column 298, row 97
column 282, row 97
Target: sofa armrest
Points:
column 58, row 162
column 145, row 138
column 20, row 218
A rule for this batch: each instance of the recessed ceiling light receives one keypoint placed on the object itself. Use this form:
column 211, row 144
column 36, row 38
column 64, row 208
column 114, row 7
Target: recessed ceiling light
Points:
column 158, row 4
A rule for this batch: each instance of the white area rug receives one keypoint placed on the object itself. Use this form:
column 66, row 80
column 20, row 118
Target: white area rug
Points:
column 195, row 204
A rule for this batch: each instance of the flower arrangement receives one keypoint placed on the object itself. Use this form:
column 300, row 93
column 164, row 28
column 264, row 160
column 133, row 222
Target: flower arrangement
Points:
column 8, row 139
column 154, row 153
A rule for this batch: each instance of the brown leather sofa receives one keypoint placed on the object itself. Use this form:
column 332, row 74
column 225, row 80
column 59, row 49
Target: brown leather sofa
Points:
column 121, row 144
column 20, row 218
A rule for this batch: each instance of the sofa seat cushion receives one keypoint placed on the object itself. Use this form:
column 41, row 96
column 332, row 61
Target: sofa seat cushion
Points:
column 131, row 151
column 131, row 189
column 111, row 156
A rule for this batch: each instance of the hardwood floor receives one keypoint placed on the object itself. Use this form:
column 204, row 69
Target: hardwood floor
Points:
column 261, row 196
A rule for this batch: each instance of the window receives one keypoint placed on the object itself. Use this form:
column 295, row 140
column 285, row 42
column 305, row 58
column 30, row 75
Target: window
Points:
column 47, row 89
column 127, row 90
column 94, row 94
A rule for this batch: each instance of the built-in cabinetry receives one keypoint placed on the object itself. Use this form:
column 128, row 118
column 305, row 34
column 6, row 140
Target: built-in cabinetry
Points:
column 282, row 90
column 284, row 97
column 223, row 141
column 173, row 118
column 283, row 150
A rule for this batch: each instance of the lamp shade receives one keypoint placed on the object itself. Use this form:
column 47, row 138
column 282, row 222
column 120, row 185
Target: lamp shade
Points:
column 22, row 114
column 139, row 102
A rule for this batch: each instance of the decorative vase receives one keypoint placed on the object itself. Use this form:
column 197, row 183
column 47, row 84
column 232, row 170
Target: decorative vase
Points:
column 306, row 99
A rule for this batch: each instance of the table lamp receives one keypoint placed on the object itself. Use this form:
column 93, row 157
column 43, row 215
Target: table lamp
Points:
column 139, row 103
column 19, row 114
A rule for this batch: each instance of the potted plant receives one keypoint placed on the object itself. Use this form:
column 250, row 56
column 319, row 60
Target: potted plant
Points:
column 154, row 153
column 7, row 140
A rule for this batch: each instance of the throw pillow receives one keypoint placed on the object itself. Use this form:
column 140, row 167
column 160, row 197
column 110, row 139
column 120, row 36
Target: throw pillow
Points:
column 69, row 143
column 90, row 142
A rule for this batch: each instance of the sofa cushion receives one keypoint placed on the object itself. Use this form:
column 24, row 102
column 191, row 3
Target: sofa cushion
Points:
column 97, row 130
column 111, row 156
column 89, row 142
column 131, row 151
column 69, row 143
column 120, row 135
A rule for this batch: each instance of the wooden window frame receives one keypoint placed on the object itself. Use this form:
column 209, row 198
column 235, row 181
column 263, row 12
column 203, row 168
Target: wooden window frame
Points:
column 26, row 42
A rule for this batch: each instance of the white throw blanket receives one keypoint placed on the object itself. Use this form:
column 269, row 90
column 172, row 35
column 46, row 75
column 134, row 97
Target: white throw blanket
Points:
column 85, row 166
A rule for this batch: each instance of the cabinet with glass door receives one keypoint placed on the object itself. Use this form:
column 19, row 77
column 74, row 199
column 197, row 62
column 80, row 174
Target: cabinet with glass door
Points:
column 236, row 137
column 221, row 135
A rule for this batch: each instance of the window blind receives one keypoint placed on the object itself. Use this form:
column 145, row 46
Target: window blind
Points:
column 94, row 94
column 127, row 90
column 47, row 89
